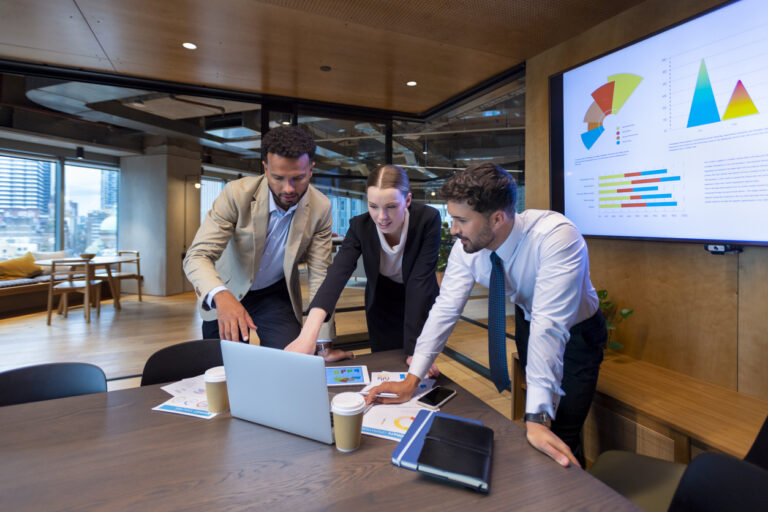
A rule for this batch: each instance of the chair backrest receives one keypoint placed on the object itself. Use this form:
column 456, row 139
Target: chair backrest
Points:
column 758, row 454
column 72, row 268
column 49, row 381
column 132, row 253
column 181, row 361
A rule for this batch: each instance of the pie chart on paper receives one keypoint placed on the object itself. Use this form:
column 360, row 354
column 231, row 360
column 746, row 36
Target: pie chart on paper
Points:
column 608, row 99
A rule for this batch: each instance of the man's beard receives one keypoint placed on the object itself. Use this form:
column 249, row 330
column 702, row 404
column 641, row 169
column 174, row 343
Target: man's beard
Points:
column 482, row 240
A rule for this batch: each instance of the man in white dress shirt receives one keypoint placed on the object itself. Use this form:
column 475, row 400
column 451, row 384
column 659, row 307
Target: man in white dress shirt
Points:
column 560, row 332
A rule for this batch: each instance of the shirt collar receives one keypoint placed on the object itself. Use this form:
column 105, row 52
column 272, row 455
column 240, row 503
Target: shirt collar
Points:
column 508, row 246
column 275, row 208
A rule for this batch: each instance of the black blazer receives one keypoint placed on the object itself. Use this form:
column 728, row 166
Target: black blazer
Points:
column 419, row 266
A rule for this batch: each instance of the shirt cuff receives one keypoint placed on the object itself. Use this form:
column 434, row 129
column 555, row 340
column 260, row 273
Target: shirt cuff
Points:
column 211, row 294
column 420, row 365
column 539, row 399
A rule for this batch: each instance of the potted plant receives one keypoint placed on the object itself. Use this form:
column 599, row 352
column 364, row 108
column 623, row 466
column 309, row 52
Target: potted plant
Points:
column 613, row 316
column 446, row 242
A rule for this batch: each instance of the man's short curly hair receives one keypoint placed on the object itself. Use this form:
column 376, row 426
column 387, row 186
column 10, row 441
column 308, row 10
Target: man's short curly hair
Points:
column 288, row 142
column 485, row 187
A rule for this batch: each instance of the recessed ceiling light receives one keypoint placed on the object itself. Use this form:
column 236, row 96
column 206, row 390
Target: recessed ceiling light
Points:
column 424, row 152
column 433, row 193
column 411, row 84
column 286, row 123
column 189, row 46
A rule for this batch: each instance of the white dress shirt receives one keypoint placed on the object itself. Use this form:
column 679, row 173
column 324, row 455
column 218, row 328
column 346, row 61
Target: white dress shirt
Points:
column 546, row 269
column 391, row 259
column 271, row 266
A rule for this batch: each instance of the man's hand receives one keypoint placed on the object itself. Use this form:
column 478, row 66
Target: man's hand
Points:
column 432, row 373
column 233, row 318
column 403, row 389
column 547, row 442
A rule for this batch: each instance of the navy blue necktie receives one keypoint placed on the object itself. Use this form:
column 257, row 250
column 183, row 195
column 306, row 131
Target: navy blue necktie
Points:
column 497, row 326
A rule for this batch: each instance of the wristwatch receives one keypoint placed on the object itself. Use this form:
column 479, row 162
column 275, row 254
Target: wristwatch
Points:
column 538, row 417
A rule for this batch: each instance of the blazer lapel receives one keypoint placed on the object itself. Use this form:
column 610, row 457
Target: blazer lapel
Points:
column 409, row 254
column 260, row 222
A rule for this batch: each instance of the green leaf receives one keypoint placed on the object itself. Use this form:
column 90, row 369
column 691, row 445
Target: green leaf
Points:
column 602, row 294
column 607, row 304
column 609, row 325
column 626, row 312
column 615, row 345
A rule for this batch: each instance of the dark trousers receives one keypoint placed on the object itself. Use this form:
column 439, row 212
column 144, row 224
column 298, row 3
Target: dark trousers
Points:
column 386, row 316
column 271, row 311
column 581, row 366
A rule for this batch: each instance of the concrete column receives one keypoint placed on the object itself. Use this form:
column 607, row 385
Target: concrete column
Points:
column 159, row 215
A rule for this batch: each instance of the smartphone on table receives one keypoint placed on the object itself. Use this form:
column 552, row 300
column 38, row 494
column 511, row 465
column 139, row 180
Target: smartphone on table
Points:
column 437, row 397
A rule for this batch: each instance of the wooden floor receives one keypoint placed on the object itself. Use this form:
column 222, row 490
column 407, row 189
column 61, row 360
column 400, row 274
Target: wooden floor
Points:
column 121, row 341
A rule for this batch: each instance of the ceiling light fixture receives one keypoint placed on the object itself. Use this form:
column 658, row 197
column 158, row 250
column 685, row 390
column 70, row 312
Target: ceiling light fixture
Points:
column 286, row 123
column 411, row 83
column 433, row 193
column 325, row 68
column 189, row 46
column 80, row 152
column 197, row 185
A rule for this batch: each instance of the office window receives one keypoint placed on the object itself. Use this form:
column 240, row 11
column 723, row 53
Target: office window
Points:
column 90, row 209
column 27, row 206
column 210, row 188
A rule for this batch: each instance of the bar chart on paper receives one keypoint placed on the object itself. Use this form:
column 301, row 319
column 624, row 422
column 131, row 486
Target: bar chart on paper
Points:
column 640, row 189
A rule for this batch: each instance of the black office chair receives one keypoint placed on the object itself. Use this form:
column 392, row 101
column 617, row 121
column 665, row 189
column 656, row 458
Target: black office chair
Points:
column 181, row 361
column 714, row 482
column 49, row 381
column 651, row 483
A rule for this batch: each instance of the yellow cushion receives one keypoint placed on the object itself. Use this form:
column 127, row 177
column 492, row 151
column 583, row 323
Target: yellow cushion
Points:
column 18, row 268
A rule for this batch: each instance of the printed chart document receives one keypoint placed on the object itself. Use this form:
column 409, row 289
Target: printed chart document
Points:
column 188, row 398
column 391, row 421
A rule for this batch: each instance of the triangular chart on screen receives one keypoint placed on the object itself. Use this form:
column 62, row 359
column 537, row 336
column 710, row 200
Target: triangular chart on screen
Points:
column 704, row 107
column 608, row 99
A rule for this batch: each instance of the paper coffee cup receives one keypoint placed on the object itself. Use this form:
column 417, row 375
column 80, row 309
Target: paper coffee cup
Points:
column 216, row 389
column 348, row 409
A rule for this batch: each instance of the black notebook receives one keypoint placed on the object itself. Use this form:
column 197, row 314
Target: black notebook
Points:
column 459, row 452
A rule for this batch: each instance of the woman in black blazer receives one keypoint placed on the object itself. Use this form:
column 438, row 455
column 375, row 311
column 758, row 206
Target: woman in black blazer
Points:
column 401, row 285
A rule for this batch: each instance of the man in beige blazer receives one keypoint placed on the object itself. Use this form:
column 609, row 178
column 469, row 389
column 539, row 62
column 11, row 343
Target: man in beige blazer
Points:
column 244, row 259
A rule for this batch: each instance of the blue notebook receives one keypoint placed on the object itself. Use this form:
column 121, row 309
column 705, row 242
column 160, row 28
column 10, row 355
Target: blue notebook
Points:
column 406, row 454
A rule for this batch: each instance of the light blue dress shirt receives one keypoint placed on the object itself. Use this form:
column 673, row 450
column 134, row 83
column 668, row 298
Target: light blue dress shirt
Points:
column 271, row 266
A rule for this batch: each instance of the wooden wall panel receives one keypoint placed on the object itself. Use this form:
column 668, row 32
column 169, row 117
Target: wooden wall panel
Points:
column 753, row 322
column 685, row 303
column 695, row 313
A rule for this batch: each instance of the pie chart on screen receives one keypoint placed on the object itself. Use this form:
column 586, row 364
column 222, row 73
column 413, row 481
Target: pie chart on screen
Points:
column 608, row 99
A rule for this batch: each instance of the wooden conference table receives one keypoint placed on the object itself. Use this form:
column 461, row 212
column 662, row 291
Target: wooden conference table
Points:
column 109, row 451
column 105, row 262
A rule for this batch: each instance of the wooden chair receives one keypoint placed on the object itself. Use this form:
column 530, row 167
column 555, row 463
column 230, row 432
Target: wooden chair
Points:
column 77, row 278
column 121, row 274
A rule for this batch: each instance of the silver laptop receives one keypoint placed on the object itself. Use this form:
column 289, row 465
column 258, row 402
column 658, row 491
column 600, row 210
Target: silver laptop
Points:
column 278, row 389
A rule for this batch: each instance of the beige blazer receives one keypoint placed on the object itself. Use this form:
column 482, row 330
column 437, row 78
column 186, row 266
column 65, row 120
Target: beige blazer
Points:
column 227, row 248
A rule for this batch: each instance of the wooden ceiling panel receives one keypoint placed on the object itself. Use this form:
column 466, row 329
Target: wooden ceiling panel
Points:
column 50, row 32
column 277, row 46
column 513, row 28
column 253, row 46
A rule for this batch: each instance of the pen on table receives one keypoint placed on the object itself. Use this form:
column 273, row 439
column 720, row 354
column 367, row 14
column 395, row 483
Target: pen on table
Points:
column 382, row 395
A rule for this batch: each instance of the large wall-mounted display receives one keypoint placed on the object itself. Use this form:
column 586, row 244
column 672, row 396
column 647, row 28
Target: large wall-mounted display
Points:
column 668, row 137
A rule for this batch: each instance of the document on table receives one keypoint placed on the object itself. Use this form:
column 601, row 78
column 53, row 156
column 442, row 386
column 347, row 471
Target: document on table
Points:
column 391, row 421
column 188, row 398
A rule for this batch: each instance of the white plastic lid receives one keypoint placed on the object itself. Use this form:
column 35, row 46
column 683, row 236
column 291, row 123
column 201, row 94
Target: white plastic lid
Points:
column 215, row 374
column 347, row 404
